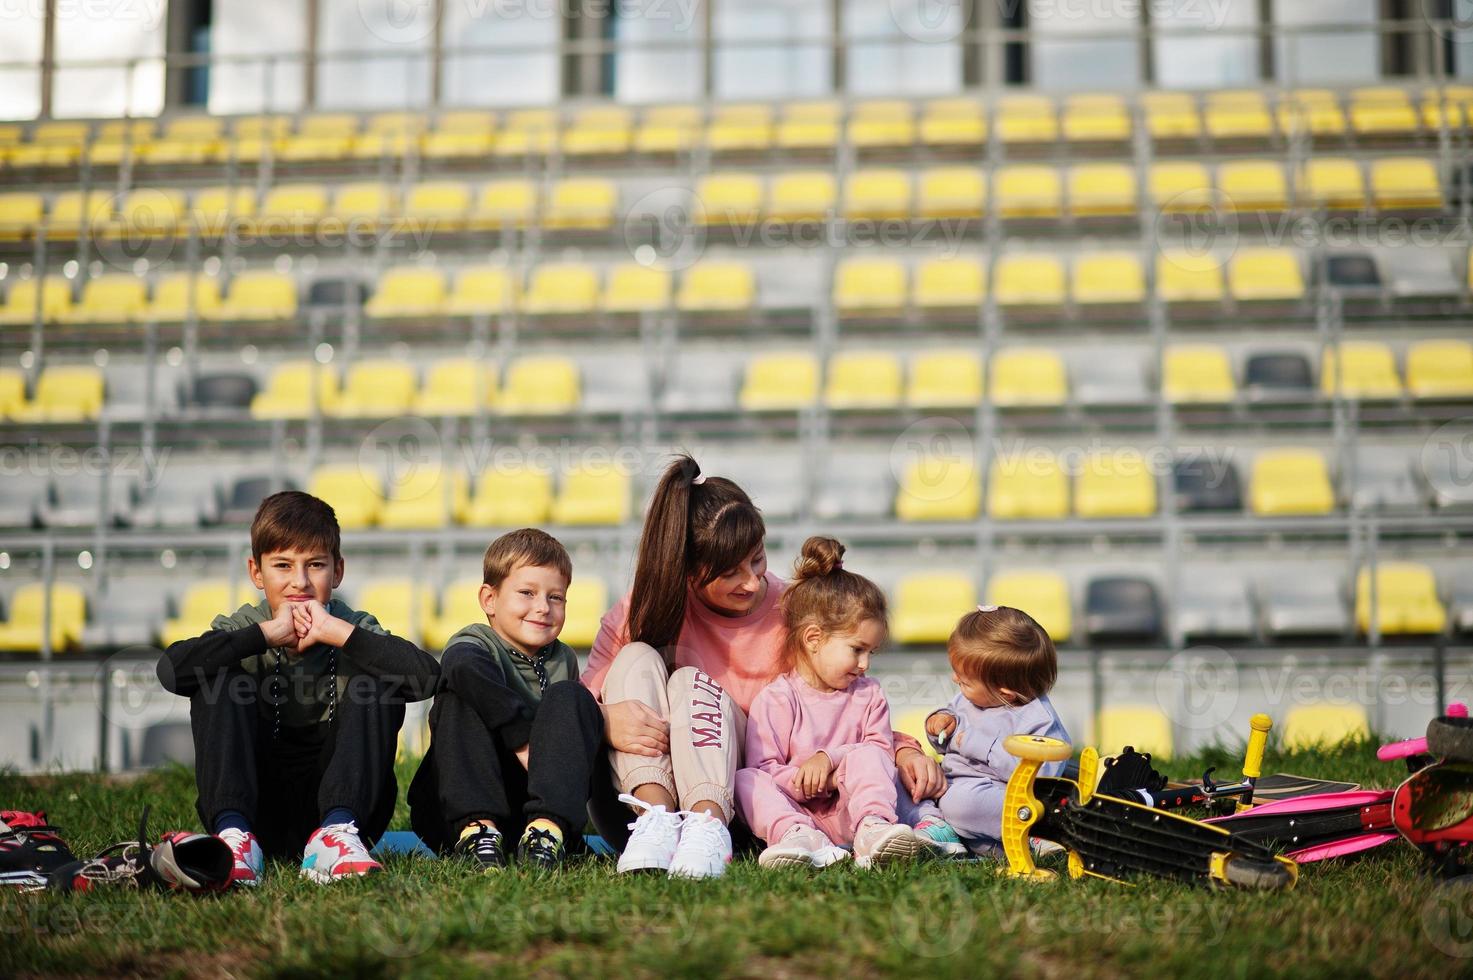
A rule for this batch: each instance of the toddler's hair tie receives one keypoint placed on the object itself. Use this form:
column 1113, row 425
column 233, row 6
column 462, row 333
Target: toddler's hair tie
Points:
column 987, row 609
column 700, row 478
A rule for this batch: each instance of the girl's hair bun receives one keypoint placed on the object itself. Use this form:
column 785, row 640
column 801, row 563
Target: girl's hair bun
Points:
column 821, row 556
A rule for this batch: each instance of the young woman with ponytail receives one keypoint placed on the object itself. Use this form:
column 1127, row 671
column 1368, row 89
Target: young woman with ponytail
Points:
column 677, row 664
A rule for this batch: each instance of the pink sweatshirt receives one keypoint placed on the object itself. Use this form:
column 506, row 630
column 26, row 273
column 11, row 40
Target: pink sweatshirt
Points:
column 791, row 721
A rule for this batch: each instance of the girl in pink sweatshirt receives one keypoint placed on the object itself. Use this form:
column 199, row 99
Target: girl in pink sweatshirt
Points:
column 820, row 753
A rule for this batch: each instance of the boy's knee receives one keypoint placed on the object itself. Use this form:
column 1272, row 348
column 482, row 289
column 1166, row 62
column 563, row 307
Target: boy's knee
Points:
column 702, row 687
column 569, row 694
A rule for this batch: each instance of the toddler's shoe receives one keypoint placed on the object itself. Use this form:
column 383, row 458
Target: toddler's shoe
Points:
column 878, row 843
column 802, row 847
column 940, row 836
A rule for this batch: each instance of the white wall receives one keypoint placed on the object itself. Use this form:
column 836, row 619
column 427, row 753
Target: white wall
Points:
column 257, row 27
column 112, row 32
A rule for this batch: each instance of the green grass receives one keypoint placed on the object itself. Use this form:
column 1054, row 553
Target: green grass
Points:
column 1378, row 916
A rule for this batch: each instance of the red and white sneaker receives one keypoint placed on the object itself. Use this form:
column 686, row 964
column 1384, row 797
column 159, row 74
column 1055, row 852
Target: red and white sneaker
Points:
column 246, row 850
column 335, row 852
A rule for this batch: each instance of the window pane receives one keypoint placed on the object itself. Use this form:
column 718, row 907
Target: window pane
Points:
column 21, row 41
column 657, row 74
column 1068, row 55
column 1317, row 57
column 1215, row 49
column 526, row 75
column 918, row 51
column 398, row 34
column 132, row 34
column 1461, row 58
column 800, row 67
column 257, row 28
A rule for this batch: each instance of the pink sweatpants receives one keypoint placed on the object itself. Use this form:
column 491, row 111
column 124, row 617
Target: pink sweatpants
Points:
column 866, row 788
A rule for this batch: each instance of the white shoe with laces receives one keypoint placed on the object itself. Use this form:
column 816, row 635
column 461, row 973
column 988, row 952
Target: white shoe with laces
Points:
column 803, row 847
column 245, row 853
column 656, row 832
column 334, row 852
column 704, row 850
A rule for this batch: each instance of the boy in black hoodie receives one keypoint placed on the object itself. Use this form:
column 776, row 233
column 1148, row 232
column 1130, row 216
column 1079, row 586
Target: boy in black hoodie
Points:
column 513, row 735
column 296, row 704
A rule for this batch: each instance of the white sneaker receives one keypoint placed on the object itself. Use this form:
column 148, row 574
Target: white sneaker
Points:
column 804, row 847
column 656, row 833
column 877, row 843
column 704, row 849
column 245, row 852
column 335, row 852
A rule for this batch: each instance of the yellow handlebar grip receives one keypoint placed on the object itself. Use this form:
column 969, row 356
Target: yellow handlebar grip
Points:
column 1257, row 740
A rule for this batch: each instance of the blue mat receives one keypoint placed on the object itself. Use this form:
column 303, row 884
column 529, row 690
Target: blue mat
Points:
column 408, row 842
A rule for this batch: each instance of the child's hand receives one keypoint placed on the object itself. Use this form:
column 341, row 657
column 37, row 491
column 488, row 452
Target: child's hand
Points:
column 281, row 630
column 812, row 777
column 316, row 625
column 940, row 725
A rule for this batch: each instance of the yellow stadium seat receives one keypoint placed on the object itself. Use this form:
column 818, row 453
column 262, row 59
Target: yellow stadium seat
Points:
column 593, row 495
column 1026, row 119
column 147, row 213
column 355, row 493
column 808, row 126
column 201, row 602
column 213, row 210
column 1332, row 182
column 1027, row 486
column 1042, row 595
column 481, row 289
column 1027, row 191
column 1197, row 373
column 389, row 134
column 951, row 192
column 437, row 205
column 406, row 291
column 1448, row 104
column 73, row 213
column 289, row 393
column 950, row 283
column 504, row 204
column 1117, row 484
column 561, row 288
column 1406, row 599
column 1238, row 114
column 259, row 296
column 541, row 386
column 1029, row 280
column 1440, row 369
column 729, row 199
column 582, row 202
column 1101, row 189
column 64, row 393
column 1180, row 186
column 1265, row 274
column 511, row 496
column 740, row 129
column 1381, row 111
column 1108, row 278
column 945, row 379
column 20, row 302
column 423, row 497
column 116, row 298
column 928, row 606
column 885, row 123
column 460, row 135
column 21, row 213
column 176, row 294
column 12, row 392
column 291, row 208
column 401, row 606
column 328, row 136
column 456, row 386
column 806, row 195
column 367, row 204
column 527, row 132
column 1252, row 185
column 1314, row 111
column 1321, row 726
column 1290, row 481
column 1184, row 277
column 953, row 122
column 1143, row 727
column 939, row 488
column 1027, row 376
column 599, row 130
column 460, row 606
column 1096, row 118
column 586, row 602
column 1405, row 182
column 668, row 129
column 863, row 380
column 779, row 382
column 378, row 388
column 633, row 288
column 254, row 138
column 713, row 287
column 52, row 144
column 26, row 629
column 1171, row 115
column 863, row 284
column 877, row 194
column 1364, row 369
column 186, row 140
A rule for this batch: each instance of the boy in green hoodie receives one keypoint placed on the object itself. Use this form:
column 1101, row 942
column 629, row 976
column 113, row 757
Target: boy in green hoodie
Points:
column 513, row 736
column 295, row 704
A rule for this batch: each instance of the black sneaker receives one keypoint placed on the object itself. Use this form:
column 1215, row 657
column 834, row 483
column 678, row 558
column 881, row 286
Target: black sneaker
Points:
column 30, row 849
column 484, row 847
column 541, row 849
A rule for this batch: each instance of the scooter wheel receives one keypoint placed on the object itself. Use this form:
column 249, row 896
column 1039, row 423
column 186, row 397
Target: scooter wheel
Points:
column 1451, row 738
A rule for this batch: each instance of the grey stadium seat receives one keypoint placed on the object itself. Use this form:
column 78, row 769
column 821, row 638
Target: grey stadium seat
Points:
column 1201, row 484
column 77, row 502
column 128, row 614
column 166, row 742
column 1302, row 605
column 184, row 497
column 701, row 384
column 1384, row 480
column 246, row 494
column 1123, row 609
column 615, row 385
column 1110, row 378
column 856, row 485
column 1422, row 272
column 20, row 498
column 770, row 478
column 1460, row 607
column 1278, row 375
column 1212, row 605
column 1357, row 270
column 128, row 395
column 336, row 293
column 227, row 391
